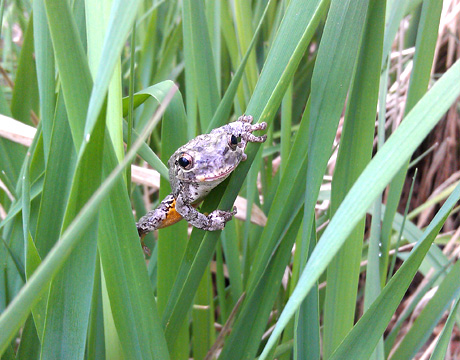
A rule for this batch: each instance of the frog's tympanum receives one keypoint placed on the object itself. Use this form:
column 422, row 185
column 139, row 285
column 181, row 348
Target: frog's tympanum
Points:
column 198, row 167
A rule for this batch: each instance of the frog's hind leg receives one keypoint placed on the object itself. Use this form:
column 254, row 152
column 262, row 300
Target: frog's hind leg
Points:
column 164, row 215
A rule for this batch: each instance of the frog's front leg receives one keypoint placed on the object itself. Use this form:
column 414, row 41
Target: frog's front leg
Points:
column 212, row 222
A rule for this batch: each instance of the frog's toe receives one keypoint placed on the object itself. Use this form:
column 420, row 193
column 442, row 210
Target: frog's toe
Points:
column 259, row 126
column 246, row 118
column 259, row 139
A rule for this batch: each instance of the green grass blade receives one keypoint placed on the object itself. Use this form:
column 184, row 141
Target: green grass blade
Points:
column 26, row 200
column 12, row 153
column 204, row 334
column 252, row 320
column 35, row 190
column 391, row 337
column 128, row 286
column 69, row 300
column 44, row 57
column 337, row 56
column 440, row 350
column 96, row 32
column 97, row 15
column 399, row 147
column 25, row 92
column 39, row 311
column 286, row 128
column 29, row 347
column 355, row 151
column 16, row 260
column 72, row 64
column 69, row 292
column 97, row 329
column 214, row 25
column 229, row 239
column 58, row 178
column 372, row 287
column 307, row 342
column 287, row 199
column 199, row 59
column 122, row 18
column 231, row 45
column 11, row 161
column 244, row 19
column 172, row 241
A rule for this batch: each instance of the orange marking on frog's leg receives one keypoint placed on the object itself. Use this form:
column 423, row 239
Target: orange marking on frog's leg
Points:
column 172, row 216
column 163, row 216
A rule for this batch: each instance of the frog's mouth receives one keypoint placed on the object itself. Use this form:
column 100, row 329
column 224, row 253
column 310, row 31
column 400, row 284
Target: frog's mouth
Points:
column 218, row 176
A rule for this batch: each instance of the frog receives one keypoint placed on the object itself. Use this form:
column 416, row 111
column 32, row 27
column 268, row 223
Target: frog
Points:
column 195, row 169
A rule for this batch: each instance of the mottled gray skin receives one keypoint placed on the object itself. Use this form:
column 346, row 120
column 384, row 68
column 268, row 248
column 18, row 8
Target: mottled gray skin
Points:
column 210, row 160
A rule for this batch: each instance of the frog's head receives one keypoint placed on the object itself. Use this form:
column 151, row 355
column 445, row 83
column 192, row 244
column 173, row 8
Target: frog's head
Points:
column 207, row 158
column 212, row 157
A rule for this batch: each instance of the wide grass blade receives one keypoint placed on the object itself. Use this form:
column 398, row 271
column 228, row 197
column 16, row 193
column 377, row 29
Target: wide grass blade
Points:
column 355, row 151
column 199, row 59
column 337, row 56
column 71, row 290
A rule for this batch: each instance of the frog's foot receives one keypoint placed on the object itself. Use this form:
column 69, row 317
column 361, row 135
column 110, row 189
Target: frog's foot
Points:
column 145, row 248
column 218, row 218
column 248, row 129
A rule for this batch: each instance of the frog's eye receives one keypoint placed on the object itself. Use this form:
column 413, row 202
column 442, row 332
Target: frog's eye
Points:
column 185, row 161
column 233, row 142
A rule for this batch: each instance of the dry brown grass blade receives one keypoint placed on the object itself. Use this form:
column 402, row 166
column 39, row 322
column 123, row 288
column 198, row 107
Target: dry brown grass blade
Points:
column 212, row 353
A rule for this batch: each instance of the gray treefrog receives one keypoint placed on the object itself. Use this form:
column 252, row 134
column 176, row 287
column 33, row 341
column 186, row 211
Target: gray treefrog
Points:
column 198, row 167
